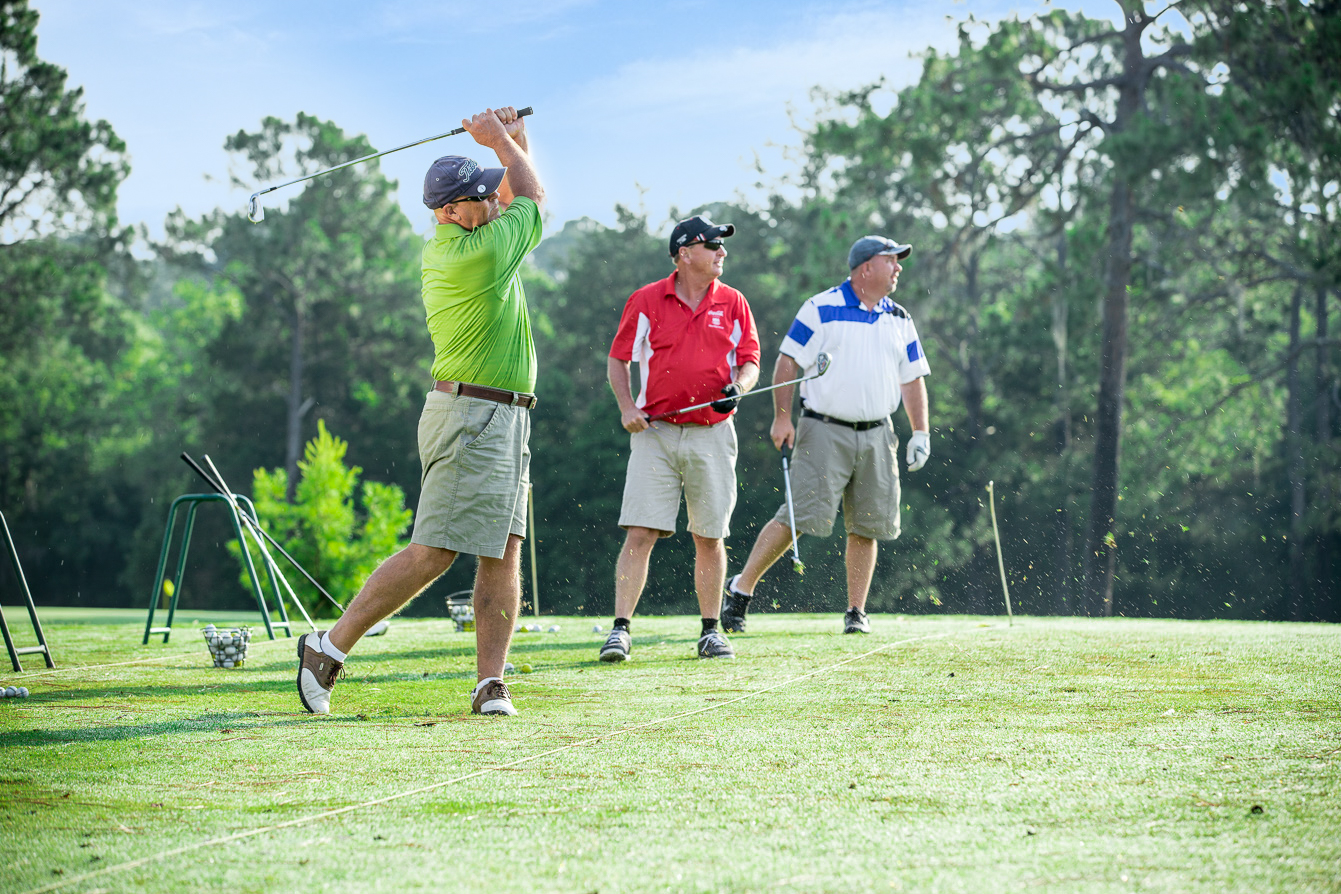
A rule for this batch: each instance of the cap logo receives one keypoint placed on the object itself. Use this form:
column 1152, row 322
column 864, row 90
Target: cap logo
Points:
column 468, row 167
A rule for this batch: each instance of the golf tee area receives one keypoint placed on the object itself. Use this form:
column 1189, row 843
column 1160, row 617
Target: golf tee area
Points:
column 940, row 753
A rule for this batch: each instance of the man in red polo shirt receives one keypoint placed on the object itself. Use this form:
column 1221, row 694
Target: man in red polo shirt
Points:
column 694, row 339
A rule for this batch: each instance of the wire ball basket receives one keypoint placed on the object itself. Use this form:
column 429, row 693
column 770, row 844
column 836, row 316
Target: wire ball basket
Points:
column 228, row 648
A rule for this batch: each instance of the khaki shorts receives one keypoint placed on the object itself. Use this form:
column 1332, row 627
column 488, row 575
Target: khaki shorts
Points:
column 832, row 461
column 666, row 457
column 476, row 472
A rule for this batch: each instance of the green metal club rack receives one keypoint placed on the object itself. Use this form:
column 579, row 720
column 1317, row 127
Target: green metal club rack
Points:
column 15, row 652
column 192, row 502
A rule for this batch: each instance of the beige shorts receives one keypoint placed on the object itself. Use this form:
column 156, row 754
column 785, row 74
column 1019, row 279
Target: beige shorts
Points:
column 476, row 473
column 832, row 461
column 701, row 459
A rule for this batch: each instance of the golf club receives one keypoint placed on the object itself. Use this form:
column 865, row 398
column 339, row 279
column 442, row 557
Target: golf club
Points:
column 251, row 527
column 822, row 362
column 1000, row 563
column 791, row 513
column 256, row 214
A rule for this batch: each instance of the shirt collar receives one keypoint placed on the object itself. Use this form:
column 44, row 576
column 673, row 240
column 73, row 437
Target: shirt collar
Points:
column 884, row 305
column 450, row 231
column 710, row 297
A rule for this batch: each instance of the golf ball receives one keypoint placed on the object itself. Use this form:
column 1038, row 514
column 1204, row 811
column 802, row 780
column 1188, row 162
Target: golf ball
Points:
column 553, row 628
column 534, row 628
column 509, row 668
column 23, row 692
column 521, row 628
column 227, row 663
column 596, row 628
column 525, row 668
column 11, row 692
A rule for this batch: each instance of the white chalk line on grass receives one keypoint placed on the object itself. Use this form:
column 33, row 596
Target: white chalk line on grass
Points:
column 327, row 814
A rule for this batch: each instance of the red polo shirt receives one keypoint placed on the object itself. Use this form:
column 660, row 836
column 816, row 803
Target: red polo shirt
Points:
column 686, row 356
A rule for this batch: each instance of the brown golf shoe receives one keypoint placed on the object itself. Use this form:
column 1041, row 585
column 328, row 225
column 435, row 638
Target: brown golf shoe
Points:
column 317, row 673
column 492, row 697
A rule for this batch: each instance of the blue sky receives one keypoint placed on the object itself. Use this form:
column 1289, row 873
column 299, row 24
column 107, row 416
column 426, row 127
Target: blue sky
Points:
column 656, row 106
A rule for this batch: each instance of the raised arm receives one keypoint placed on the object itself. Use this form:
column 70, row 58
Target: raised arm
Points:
column 502, row 131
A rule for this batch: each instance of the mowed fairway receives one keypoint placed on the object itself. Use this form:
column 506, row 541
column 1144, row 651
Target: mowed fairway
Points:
column 946, row 754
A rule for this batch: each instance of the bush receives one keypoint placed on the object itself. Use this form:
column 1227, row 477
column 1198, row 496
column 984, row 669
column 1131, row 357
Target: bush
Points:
column 321, row 529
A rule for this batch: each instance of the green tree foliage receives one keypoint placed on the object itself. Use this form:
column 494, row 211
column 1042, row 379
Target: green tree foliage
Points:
column 337, row 544
column 58, row 171
column 331, row 322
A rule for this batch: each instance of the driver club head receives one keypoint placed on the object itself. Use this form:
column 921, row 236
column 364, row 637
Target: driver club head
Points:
column 255, row 213
column 822, row 362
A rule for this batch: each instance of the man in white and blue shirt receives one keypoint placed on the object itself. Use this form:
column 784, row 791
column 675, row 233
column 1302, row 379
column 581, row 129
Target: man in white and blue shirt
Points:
column 845, row 445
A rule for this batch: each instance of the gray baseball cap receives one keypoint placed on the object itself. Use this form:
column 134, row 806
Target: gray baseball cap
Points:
column 868, row 247
column 453, row 176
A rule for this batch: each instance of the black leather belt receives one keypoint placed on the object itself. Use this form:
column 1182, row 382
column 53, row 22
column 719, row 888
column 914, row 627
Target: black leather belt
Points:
column 483, row 392
column 858, row 426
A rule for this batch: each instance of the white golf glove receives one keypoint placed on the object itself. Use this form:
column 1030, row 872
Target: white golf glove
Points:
column 919, row 450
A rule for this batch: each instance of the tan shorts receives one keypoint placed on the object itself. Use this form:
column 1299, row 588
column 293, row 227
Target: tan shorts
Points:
column 832, row 461
column 476, row 472
column 665, row 458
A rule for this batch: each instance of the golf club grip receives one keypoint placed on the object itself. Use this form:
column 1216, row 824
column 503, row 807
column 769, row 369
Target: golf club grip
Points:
column 521, row 113
column 186, row 458
column 786, row 453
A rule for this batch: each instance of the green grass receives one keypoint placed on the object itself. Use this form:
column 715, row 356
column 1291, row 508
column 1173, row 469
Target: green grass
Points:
column 1057, row 755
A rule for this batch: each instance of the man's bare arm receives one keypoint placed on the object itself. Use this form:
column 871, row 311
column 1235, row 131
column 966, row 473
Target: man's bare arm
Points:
column 746, row 376
column 617, row 374
column 508, row 140
column 915, row 404
column 784, row 430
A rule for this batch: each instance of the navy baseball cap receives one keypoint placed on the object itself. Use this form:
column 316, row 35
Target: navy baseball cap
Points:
column 697, row 229
column 868, row 247
column 453, row 176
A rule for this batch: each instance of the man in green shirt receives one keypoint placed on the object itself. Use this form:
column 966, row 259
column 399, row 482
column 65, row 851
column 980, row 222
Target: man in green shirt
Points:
column 475, row 426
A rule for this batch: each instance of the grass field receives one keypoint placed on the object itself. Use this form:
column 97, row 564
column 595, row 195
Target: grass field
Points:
column 938, row 754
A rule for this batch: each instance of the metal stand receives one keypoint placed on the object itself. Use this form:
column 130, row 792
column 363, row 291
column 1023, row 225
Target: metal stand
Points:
column 41, row 646
column 193, row 501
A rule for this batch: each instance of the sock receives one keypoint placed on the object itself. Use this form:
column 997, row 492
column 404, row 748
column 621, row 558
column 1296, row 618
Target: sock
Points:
column 324, row 646
column 737, row 590
column 622, row 623
column 709, row 625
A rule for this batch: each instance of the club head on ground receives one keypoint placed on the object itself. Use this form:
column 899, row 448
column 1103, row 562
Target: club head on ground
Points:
column 798, row 565
column 378, row 629
column 822, row 362
column 255, row 213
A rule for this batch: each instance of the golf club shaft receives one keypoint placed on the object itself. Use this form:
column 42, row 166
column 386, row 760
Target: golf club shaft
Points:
column 451, row 133
column 737, row 397
column 186, row 457
column 791, row 513
column 252, row 526
column 1000, row 562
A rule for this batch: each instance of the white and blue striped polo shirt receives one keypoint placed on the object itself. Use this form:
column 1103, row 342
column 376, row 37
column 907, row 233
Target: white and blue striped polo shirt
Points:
column 872, row 353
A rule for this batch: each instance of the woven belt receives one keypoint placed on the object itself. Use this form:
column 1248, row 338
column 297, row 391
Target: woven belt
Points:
column 858, row 426
column 483, row 392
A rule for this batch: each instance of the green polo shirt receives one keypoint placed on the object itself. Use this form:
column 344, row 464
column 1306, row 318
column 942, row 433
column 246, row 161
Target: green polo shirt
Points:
column 474, row 302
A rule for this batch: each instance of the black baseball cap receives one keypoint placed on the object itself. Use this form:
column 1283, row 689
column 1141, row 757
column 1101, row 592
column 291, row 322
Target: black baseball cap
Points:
column 453, row 176
column 697, row 229
column 868, row 247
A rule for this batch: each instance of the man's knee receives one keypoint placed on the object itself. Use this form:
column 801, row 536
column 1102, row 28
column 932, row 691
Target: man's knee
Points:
column 432, row 560
column 639, row 539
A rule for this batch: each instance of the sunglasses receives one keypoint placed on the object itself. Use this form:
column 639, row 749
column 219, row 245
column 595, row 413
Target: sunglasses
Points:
column 710, row 246
column 492, row 195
